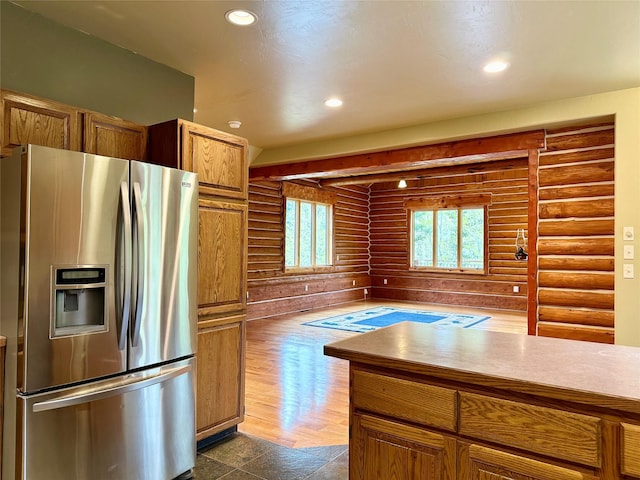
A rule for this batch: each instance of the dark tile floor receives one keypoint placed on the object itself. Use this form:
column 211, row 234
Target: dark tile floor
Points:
column 243, row 457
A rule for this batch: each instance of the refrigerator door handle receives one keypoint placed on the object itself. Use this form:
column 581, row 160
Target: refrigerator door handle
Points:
column 126, row 300
column 99, row 394
column 139, row 286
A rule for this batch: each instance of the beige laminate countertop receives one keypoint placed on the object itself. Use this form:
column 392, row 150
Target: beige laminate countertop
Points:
column 583, row 372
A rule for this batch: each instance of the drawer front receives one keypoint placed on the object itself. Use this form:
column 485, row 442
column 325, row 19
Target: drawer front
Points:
column 404, row 399
column 631, row 449
column 563, row 435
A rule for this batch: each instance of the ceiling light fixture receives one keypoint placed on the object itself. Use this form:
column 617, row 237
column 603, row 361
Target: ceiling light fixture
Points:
column 402, row 183
column 333, row 102
column 241, row 17
column 234, row 123
column 495, row 67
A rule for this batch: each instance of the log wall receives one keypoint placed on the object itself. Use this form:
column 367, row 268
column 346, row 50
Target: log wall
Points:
column 573, row 269
column 272, row 291
column 576, row 234
column 507, row 183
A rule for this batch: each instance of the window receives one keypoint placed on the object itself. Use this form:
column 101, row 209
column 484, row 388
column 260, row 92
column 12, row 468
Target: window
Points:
column 448, row 238
column 308, row 234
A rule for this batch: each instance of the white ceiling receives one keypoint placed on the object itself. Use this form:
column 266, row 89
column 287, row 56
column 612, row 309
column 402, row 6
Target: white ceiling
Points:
column 394, row 63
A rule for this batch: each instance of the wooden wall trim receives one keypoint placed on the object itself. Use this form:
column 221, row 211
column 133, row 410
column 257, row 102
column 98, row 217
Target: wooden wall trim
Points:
column 532, row 260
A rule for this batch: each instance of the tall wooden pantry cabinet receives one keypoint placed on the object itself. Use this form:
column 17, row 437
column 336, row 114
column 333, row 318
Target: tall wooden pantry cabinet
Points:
column 221, row 161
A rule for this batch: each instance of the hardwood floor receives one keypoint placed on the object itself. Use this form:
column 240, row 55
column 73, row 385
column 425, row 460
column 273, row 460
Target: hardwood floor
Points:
column 296, row 396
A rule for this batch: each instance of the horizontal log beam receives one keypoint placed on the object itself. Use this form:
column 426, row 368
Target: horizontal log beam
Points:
column 575, row 298
column 578, row 316
column 577, row 263
column 574, row 140
column 576, row 246
column 576, row 227
column 574, row 332
column 583, row 281
column 577, row 173
column 501, row 302
column 602, row 207
column 593, row 190
column 412, row 158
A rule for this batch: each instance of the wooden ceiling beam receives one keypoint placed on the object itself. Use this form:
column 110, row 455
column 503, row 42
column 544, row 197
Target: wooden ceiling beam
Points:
column 449, row 170
column 411, row 158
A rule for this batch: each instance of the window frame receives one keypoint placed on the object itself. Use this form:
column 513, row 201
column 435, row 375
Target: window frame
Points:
column 458, row 203
column 302, row 194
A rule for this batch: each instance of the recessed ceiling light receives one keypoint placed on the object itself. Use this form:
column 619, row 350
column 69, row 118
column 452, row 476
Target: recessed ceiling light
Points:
column 240, row 17
column 235, row 123
column 495, row 67
column 333, row 102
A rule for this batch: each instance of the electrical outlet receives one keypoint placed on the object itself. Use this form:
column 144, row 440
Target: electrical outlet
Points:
column 516, row 289
column 306, row 288
column 627, row 270
column 384, row 281
column 366, row 292
column 353, row 283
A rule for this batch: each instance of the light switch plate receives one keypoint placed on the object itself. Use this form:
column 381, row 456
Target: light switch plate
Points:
column 627, row 233
column 627, row 270
column 628, row 252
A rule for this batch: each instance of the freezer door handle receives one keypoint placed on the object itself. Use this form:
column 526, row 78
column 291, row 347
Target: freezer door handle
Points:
column 94, row 394
column 126, row 297
column 139, row 275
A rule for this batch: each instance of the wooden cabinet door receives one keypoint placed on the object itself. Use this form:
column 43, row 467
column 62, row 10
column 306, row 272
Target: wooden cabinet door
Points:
column 384, row 449
column 630, row 449
column 114, row 137
column 220, row 159
column 27, row 119
column 220, row 375
column 222, row 257
column 482, row 463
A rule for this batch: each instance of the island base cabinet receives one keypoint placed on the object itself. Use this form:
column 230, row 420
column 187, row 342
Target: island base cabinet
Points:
column 477, row 462
column 220, row 375
column 389, row 450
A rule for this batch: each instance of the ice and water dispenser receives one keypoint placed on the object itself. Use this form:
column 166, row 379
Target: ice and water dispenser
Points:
column 79, row 300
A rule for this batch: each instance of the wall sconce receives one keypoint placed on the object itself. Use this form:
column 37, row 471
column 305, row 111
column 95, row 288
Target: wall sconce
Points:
column 402, row 183
column 521, row 245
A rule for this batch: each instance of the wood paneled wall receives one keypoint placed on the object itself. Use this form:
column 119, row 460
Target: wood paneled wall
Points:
column 274, row 292
column 507, row 182
column 576, row 234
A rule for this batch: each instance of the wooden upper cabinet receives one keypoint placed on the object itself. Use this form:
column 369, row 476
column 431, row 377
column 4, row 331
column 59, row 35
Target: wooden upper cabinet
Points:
column 28, row 119
column 114, row 137
column 219, row 158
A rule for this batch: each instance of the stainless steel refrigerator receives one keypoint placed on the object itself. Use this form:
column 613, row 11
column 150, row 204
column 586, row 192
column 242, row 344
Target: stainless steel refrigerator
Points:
column 98, row 304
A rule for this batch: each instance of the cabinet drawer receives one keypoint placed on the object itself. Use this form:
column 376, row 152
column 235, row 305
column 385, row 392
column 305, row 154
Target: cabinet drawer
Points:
column 564, row 435
column 404, row 399
column 631, row 449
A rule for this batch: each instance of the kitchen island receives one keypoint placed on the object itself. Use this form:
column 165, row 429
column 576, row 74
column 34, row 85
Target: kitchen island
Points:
column 451, row 403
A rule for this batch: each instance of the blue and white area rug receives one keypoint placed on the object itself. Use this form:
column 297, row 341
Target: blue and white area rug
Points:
column 368, row 320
